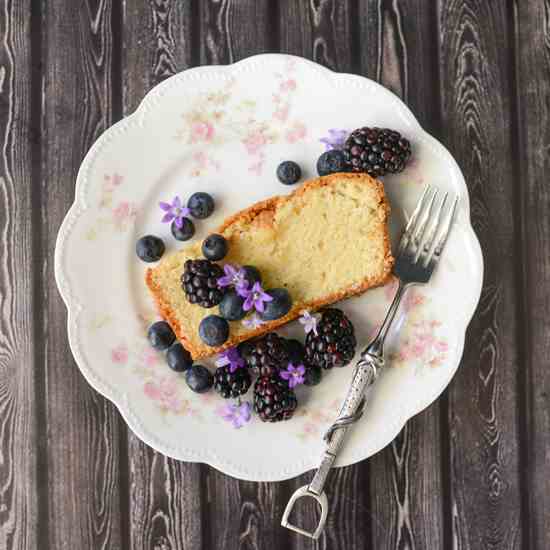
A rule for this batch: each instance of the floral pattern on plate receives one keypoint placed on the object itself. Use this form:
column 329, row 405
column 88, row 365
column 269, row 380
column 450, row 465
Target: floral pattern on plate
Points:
column 116, row 214
column 221, row 117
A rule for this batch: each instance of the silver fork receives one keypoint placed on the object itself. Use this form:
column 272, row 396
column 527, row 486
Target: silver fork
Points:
column 419, row 252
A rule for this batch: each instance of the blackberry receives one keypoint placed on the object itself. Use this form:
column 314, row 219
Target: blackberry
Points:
column 334, row 344
column 231, row 384
column 376, row 151
column 265, row 356
column 273, row 399
column 200, row 282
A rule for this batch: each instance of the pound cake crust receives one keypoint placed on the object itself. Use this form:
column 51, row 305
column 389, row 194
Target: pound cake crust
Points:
column 269, row 234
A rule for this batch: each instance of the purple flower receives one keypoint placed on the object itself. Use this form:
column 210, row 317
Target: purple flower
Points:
column 232, row 358
column 238, row 415
column 253, row 322
column 234, row 276
column 255, row 297
column 174, row 211
column 336, row 139
column 309, row 321
column 294, row 375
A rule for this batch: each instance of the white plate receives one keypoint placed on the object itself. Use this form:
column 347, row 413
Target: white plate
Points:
column 224, row 130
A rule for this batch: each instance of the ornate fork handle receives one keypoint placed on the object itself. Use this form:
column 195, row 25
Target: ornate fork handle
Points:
column 366, row 372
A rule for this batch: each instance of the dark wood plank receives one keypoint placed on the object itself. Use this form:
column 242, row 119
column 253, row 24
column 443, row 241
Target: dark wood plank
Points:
column 533, row 196
column 322, row 32
column 317, row 30
column 165, row 500
column 233, row 29
column 83, row 428
column 18, row 431
column 406, row 483
column 476, row 83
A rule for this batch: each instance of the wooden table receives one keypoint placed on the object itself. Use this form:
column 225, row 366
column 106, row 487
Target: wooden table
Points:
column 472, row 471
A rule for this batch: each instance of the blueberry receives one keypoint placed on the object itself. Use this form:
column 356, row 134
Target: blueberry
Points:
column 313, row 375
column 201, row 205
column 330, row 162
column 252, row 275
column 214, row 247
column 289, row 172
column 214, row 330
column 161, row 335
column 231, row 307
column 279, row 306
column 199, row 378
column 150, row 248
column 178, row 358
column 296, row 351
column 185, row 232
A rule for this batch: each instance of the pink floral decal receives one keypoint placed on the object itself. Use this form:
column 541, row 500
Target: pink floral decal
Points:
column 419, row 343
column 123, row 215
column 165, row 388
column 202, row 132
column 119, row 355
column 296, row 133
column 422, row 346
column 119, row 215
column 317, row 419
column 202, row 163
column 164, row 392
column 223, row 116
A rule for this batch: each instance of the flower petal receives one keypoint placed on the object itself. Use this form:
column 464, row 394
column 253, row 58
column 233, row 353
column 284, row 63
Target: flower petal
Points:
column 165, row 206
column 168, row 217
column 176, row 203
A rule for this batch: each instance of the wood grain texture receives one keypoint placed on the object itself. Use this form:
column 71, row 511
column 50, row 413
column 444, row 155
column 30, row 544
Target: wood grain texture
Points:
column 476, row 81
column 406, row 481
column 165, row 501
column 165, row 495
column 532, row 44
column 233, row 29
column 158, row 36
column 18, row 433
column 83, row 428
column 319, row 30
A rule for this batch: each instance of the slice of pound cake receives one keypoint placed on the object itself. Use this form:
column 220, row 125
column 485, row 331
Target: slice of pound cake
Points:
column 326, row 241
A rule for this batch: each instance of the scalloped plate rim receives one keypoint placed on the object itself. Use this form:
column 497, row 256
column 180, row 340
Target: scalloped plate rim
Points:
column 119, row 399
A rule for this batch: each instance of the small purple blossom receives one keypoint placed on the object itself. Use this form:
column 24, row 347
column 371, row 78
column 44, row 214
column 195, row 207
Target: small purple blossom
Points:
column 174, row 212
column 309, row 321
column 253, row 322
column 293, row 374
column 336, row 139
column 238, row 415
column 234, row 276
column 232, row 358
column 255, row 297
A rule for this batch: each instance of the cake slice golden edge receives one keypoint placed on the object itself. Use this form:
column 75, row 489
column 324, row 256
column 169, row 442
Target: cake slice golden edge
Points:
column 251, row 213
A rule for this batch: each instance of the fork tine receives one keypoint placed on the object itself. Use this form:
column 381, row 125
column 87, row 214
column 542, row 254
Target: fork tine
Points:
column 424, row 255
column 417, row 236
column 433, row 258
column 411, row 224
